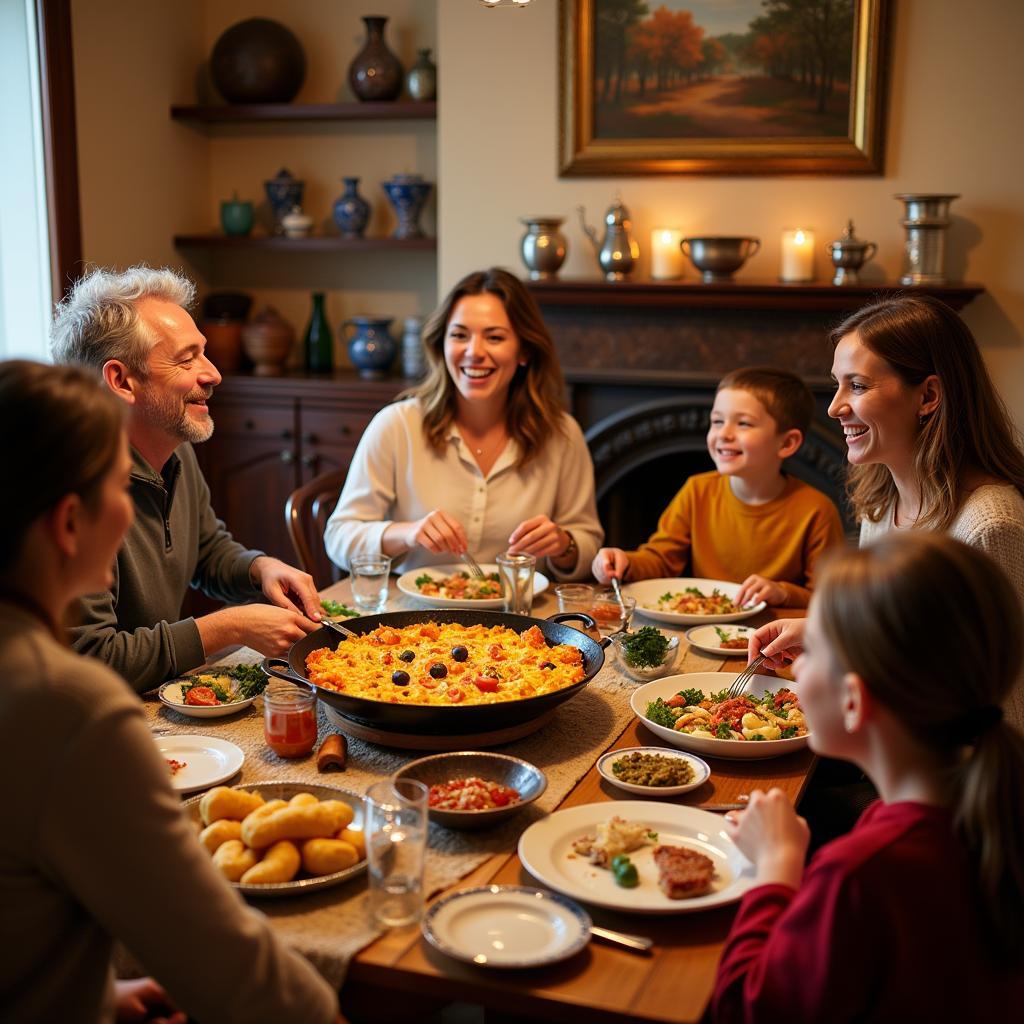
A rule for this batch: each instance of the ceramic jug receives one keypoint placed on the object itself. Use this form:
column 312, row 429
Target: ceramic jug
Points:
column 371, row 349
column 617, row 252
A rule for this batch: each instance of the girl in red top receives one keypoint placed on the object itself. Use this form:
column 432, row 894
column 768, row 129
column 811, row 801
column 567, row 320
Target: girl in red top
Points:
column 912, row 644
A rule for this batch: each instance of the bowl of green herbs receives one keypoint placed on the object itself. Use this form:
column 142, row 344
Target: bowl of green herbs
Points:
column 646, row 654
column 214, row 692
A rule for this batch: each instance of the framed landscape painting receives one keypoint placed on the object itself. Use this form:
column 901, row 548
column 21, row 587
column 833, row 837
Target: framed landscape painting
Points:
column 722, row 86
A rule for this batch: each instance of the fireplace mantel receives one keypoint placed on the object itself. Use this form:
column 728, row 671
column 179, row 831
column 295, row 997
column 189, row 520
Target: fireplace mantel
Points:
column 733, row 295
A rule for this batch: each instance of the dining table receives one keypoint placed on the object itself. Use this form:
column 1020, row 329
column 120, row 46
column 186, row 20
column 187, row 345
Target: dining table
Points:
column 399, row 969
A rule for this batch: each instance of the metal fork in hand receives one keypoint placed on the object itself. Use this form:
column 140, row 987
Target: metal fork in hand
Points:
column 474, row 569
column 739, row 684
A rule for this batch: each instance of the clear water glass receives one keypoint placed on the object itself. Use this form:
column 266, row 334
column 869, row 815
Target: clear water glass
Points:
column 396, row 842
column 516, row 575
column 370, row 575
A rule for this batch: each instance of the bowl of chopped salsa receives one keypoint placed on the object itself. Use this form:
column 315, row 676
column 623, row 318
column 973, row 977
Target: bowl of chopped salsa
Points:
column 474, row 789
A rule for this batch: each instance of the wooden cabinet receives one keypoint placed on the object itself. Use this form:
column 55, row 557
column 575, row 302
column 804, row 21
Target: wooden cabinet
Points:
column 273, row 434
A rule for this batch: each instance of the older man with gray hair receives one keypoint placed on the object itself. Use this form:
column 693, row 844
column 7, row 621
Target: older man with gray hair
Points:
column 134, row 330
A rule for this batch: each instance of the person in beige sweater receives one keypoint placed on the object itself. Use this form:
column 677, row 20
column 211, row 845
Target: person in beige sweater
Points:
column 930, row 444
column 94, row 845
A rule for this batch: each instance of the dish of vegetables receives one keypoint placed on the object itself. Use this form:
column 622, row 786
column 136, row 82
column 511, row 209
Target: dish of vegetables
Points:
column 692, row 712
column 214, row 692
column 689, row 601
column 451, row 586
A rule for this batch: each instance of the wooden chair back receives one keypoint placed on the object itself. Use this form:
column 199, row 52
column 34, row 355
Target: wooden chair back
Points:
column 306, row 513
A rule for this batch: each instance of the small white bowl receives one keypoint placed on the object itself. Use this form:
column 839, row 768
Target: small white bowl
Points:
column 170, row 696
column 701, row 771
column 646, row 674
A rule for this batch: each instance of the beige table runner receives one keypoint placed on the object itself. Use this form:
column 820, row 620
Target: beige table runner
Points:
column 332, row 926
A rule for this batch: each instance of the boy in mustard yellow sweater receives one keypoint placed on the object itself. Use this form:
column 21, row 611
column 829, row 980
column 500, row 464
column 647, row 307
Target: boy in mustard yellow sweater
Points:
column 747, row 522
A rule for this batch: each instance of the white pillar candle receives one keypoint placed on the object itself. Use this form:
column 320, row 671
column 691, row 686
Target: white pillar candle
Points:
column 797, row 255
column 666, row 257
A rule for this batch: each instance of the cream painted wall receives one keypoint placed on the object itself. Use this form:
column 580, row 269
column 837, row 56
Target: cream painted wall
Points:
column 145, row 178
column 957, row 82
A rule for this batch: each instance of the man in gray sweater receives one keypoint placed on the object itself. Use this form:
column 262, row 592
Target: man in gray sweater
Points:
column 134, row 330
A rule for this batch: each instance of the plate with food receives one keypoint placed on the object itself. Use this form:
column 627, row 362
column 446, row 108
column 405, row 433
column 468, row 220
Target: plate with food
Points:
column 653, row 771
column 639, row 856
column 507, row 926
column 214, row 692
column 687, row 601
column 197, row 762
column 452, row 586
column 693, row 712
column 730, row 641
column 281, row 838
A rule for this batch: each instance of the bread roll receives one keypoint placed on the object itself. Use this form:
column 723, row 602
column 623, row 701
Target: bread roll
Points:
column 225, row 802
column 220, row 832
column 279, row 864
column 233, row 859
column 325, row 856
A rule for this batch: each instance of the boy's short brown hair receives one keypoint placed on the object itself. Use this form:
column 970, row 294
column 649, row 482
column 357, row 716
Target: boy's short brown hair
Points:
column 786, row 397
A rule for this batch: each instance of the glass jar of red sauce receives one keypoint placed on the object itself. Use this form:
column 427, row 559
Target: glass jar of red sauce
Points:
column 289, row 719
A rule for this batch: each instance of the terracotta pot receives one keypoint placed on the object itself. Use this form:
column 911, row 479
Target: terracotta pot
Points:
column 224, row 343
column 268, row 341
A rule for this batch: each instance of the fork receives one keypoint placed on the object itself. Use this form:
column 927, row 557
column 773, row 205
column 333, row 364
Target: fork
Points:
column 739, row 684
column 474, row 569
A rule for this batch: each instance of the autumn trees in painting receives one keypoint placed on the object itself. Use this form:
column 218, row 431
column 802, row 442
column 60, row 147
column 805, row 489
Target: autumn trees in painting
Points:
column 660, row 72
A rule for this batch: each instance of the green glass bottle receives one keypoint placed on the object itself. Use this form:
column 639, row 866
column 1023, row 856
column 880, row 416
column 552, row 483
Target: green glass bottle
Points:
column 319, row 340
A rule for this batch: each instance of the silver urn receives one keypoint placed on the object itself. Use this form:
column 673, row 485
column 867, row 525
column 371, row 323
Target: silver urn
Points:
column 543, row 247
column 719, row 257
column 926, row 219
column 848, row 255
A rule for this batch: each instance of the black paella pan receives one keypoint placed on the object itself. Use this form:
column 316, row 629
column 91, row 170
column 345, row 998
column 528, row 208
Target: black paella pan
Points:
column 456, row 719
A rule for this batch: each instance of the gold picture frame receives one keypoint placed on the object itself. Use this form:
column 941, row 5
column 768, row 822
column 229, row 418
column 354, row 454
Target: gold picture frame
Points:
column 586, row 149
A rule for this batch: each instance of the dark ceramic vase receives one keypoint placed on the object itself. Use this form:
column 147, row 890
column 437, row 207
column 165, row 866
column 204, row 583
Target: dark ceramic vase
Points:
column 376, row 73
column 283, row 192
column 407, row 194
column 351, row 210
column 371, row 349
column 258, row 61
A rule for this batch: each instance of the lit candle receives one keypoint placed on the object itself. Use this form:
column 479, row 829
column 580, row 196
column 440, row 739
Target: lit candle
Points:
column 797, row 255
column 666, row 257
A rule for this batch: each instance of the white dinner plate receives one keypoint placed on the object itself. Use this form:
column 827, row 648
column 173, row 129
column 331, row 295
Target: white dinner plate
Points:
column 647, row 593
column 170, row 696
column 208, row 760
column 507, row 926
column 701, row 771
column 704, row 638
column 407, row 585
column 712, row 682
column 545, row 848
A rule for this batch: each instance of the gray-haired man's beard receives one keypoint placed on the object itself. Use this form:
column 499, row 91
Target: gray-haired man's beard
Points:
column 172, row 416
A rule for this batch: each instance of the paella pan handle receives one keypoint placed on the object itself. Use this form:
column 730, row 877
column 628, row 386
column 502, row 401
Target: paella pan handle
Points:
column 274, row 666
column 587, row 621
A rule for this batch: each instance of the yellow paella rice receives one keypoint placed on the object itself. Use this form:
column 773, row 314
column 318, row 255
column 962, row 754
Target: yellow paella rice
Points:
column 441, row 664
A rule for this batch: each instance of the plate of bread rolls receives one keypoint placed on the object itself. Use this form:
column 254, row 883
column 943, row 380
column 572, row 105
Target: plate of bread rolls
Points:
column 281, row 838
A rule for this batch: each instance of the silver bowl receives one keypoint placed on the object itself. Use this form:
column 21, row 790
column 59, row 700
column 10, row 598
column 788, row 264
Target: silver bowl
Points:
column 718, row 258
column 504, row 769
column 645, row 674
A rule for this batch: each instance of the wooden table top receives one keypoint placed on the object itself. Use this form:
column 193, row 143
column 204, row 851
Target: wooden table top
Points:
column 603, row 983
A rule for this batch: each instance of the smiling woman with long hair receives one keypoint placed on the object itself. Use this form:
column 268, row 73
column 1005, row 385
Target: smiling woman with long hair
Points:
column 94, row 843
column 481, row 457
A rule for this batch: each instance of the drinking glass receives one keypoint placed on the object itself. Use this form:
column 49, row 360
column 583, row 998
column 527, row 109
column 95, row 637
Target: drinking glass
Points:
column 516, row 574
column 574, row 597
column 396, row 840
column 370, row 582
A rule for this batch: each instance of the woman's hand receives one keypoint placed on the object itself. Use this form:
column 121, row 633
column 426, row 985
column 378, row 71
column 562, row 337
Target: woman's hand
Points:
column 780, row 642
column 437, row 531
column 755, row 589
column 773, row 836
column 538, row 536
column 609, row 563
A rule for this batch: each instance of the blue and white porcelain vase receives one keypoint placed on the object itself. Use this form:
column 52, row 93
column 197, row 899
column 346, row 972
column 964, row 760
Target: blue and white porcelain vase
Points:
column 407, row 194
column 351, row 210
column 283, row 192
column 371, row 349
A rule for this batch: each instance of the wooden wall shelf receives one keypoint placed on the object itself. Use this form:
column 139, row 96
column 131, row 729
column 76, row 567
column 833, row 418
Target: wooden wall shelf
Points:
column 239, row 113
column 316, row 243
column 735, row 295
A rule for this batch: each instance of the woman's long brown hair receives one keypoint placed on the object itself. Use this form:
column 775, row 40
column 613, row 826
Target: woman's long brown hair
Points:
column 970, row 430
column 879, row 606
column 536, row 394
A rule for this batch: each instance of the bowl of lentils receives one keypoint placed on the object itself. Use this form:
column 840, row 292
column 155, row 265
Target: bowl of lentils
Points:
column 653, row 771
column 646, row 654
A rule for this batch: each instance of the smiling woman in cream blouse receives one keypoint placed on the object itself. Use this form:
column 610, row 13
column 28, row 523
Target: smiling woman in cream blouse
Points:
column 482, row 456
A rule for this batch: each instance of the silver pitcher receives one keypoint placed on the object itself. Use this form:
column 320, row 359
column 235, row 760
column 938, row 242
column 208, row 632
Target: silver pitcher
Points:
column 618, row 252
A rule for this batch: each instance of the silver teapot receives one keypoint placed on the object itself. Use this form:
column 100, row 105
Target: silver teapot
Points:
column 618, row 252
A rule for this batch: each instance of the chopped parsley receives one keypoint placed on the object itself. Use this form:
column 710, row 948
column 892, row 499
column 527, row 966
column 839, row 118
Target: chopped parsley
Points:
column 660, row 713
column 424, row 579
column 692, row 697
column 646, row 648
column 336, row 609
column 723, row 732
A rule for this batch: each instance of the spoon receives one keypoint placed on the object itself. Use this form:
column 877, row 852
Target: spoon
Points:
column 618, row 597
column 639, row 943
column 338, row 628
